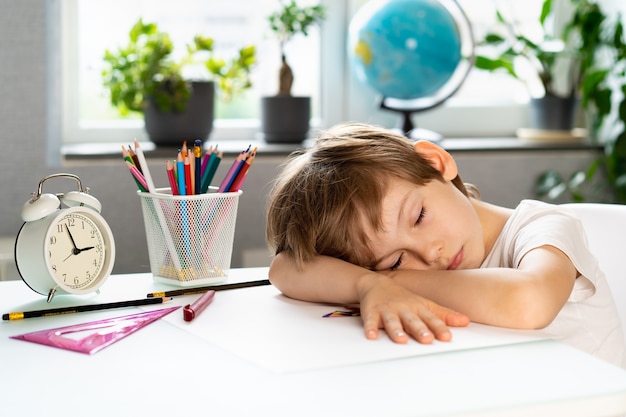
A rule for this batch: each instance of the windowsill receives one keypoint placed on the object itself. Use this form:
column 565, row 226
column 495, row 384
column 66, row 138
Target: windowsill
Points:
column 514, row 144
column 229, row 147
column 232, row 147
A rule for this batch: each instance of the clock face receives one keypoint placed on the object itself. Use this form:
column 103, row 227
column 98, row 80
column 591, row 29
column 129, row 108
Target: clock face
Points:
column 76, row 250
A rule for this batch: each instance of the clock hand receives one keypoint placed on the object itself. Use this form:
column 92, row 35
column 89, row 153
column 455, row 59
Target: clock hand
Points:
column 75, row 251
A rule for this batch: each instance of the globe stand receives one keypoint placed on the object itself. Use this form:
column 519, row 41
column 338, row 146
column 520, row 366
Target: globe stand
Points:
column 406, row 126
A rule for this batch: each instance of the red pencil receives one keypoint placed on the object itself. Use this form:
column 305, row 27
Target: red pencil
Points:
column 241, row 175
column 232, row 172
column 170, row 176
column 188, row 187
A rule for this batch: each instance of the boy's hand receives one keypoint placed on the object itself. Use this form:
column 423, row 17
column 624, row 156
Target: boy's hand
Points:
column 404, row 314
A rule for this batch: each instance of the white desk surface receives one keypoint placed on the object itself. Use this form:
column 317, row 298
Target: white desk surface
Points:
column 164, row 369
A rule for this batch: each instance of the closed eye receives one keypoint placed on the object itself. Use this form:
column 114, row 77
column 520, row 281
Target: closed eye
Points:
column 397, row 263
column 420, row 218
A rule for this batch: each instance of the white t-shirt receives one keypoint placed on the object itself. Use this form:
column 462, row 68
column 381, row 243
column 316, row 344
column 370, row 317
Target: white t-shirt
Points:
column 589, row 320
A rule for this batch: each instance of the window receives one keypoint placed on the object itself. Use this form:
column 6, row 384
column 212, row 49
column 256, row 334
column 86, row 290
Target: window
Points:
column 92, row 26
column 486, row 105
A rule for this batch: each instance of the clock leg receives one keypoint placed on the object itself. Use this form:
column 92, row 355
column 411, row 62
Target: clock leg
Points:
column 51, row 293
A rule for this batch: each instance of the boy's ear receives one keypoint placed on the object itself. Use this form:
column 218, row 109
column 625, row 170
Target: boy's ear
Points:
column 438, row 157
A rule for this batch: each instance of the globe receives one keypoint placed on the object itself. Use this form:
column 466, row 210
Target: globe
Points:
column 415, row 53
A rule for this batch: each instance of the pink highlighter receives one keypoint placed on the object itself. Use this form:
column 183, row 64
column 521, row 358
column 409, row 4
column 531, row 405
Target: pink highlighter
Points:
column 190, row 311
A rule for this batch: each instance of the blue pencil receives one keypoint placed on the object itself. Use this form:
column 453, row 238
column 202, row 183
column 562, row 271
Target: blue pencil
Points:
column 184, row 214
column 180, row 171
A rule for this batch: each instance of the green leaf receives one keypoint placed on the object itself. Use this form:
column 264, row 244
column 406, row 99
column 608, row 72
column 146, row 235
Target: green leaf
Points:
column 547, row 181
column 290, row 19
column 493, row 39
column 557, row 191
column 577, row 179
column 144, row 69
column 619, row 146
column 546, row 9
column 489, row 64
column 203, row 43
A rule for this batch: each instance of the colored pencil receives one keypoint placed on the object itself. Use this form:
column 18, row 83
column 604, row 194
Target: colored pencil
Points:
column 83, row 308
column 183, row 149
column 144, row 167
column 171, row 178
column 180, row 170
column 243, row 172
column 192, row 173
column 128, row 159
column 232, row 172
column 126, row 155
column 197, row 153
column 205, row 161
column 141, row 181
column 133, row 156
column 188, row 183
column 214, row 162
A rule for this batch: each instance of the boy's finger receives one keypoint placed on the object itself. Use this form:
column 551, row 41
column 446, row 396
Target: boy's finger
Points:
column 451, row 317
column 437, row 326
column 416, row 328
column 457, row 319
column 440, row 330
column 393, row 326
column 371, row 323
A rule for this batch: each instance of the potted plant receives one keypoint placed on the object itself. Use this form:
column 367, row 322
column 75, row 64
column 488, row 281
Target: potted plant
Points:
column 284, row 117
column 592, row 45
column 553, row 66
column 142, row 77
column 603, row 96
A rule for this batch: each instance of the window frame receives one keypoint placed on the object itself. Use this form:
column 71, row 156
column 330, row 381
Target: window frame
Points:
column 343, row 97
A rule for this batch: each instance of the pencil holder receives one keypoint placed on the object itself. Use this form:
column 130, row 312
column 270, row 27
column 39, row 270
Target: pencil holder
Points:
column 190, row 238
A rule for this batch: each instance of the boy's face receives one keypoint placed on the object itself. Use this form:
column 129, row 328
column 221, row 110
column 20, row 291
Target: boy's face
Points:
column 427, row 227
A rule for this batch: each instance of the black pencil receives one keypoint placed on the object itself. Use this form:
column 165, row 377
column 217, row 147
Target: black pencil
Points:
column 82, row 308
column 197, row 290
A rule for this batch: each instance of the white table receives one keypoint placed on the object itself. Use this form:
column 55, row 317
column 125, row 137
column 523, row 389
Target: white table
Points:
column 164, row 370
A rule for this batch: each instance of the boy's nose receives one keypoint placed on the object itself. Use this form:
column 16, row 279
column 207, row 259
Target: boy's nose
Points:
column 432, row 253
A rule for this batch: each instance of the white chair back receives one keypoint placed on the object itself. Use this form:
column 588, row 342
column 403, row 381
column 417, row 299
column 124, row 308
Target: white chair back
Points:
column 605, row 225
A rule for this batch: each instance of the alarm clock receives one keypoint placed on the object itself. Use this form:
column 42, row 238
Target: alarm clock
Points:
column 64, row 246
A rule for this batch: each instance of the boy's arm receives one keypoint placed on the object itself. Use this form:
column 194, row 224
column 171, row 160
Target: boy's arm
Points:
column 383, row 303
column 527, row 297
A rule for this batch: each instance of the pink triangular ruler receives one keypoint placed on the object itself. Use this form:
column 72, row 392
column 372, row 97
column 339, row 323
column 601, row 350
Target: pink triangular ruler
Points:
column 107, row 332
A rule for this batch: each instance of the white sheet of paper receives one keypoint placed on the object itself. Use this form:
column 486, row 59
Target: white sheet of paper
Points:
column 285, row 335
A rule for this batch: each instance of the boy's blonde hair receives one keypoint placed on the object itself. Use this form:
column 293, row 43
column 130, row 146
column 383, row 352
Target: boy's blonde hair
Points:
column 324, row 194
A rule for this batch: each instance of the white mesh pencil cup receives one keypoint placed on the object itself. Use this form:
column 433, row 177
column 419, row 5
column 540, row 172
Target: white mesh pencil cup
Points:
column 190, row 238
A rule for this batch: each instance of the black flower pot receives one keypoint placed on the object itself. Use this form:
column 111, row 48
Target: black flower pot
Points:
column 553, row 113
column 285, row 119
column 196, row 122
